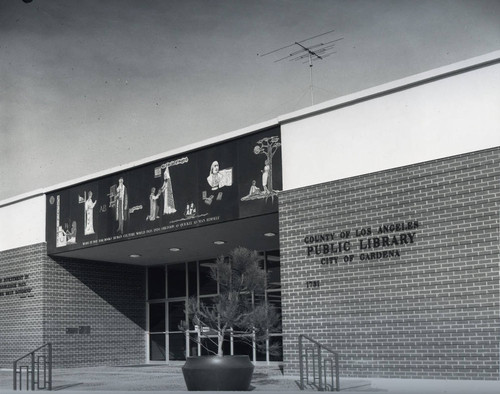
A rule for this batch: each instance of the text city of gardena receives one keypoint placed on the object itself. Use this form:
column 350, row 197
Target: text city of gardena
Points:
column 372, row 243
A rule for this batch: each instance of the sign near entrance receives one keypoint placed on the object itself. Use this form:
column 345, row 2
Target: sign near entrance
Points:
column 236, row 179
column 361, row 244
column 15, row 285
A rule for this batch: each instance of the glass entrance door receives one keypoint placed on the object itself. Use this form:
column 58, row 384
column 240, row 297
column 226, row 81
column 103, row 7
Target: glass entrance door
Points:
column 176, row 337
column 169, row 288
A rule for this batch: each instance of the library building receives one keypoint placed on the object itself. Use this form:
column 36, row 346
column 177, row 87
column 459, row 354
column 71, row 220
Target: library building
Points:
column 376, row 216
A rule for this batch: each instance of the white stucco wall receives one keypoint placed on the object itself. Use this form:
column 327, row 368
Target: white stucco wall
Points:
column 22, row 223
column 457, row 114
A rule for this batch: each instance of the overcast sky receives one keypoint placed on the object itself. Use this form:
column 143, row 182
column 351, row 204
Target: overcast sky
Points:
column 87, row 85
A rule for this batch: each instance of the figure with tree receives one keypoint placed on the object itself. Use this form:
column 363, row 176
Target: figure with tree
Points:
column 267, row 146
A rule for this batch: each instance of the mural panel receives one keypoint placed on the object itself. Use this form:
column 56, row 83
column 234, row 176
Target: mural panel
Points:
column 232, row 180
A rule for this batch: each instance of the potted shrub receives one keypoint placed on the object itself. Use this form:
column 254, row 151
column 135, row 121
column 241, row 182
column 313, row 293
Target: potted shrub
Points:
column 239, row 310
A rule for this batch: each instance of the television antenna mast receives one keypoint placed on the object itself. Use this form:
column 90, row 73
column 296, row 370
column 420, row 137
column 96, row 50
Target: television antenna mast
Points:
column 308, row 54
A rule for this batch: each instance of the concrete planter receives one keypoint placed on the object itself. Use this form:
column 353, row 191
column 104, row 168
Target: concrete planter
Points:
column 214, row 373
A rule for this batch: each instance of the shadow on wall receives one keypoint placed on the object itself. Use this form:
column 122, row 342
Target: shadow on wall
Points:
column 122, row 286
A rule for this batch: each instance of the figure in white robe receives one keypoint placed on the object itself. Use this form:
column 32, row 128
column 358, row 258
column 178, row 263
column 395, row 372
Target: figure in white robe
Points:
column 89, row 215
column 168, row 194
column 121, row 205
column 265, row 177
column 153, row 206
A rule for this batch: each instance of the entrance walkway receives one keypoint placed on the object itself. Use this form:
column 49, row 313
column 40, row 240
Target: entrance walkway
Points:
column 168, row 378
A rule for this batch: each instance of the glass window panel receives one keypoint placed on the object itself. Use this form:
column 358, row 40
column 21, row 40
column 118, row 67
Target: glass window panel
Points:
column 274, row 299
column 157, row 347
column 207, row 284
column 261, row 353
column 193, row 344
column 208, row 346
column 192, row 279
column 176, row 314
column 242, row 347
column 176, row 280
column 279, row 352
column 177, row 346
column 157, row 317
column 273, row 270
column 156, row 282
column 261, row 260
column 207, row 302
column 226, row 346
column 246, row 303
column 259, row 298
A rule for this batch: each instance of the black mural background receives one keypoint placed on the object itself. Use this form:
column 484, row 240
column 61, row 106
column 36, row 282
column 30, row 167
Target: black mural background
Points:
column 196, row 202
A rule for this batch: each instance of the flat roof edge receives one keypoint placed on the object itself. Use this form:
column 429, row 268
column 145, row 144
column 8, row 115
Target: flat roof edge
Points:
column 22, row 197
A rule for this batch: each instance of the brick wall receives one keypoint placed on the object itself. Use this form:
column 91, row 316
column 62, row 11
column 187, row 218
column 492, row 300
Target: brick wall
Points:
column 108, row 298
column 21, row 302
column 92, row 312
column 432, row 309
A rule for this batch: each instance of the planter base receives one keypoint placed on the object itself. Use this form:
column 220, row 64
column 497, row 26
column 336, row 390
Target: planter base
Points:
column 214, row 373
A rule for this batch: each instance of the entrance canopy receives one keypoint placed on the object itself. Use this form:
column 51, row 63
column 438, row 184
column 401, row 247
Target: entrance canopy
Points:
column 258, row 233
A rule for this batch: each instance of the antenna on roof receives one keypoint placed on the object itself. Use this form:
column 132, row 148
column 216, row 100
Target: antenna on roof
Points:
column 308, row 54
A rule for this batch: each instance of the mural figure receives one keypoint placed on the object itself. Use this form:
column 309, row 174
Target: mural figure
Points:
column 71, row 234
column 61, row 239
column 168, row 194
column 153, row 205
column 190, row 211
column 265, row 177
column 254, row 191
column 208, row 199
column 214, row 177
column 60, row 233
column 219, row 178
column 267, row 146
column 121, row 205
column 89, row 214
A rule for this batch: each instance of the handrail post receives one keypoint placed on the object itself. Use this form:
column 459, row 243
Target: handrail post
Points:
column 33, row 371
column 301, row 367
column 33, row 368
column 320, row 388
column 322, row 367
column 50, row 366
column 313, row 358
column 307, row 364
column 337, row 378
column 15, row 376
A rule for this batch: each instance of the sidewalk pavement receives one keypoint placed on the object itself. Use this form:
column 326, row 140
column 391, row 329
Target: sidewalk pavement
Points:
column 266, row 379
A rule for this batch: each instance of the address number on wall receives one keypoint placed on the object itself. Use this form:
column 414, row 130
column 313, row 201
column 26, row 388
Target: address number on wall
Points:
column 311, row 284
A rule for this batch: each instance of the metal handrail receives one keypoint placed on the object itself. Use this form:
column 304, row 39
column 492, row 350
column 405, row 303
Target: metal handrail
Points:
column 32, row 374
column 321, row 364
